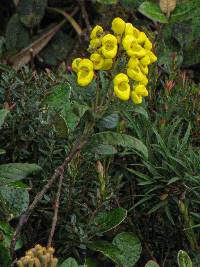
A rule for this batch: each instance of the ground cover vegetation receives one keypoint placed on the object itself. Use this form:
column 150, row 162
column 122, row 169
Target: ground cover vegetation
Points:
column 100, row 133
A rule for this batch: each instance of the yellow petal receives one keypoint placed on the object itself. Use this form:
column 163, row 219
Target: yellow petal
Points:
column 75, row 64
column 107, row 65
column 122, row 91
column 127, row 41
column 133, row 62
column 118, row 25
column 137, row 99
column 95, row 43
column 96, row 32
column 145, row 60
column 84, row 77
column 109, row 38
column 136, row 75
column 109, row 52
column 85, row 63
column 121, row 77
column 140, row 89
column 152, row 57
column 144, row 69
column 97, row 60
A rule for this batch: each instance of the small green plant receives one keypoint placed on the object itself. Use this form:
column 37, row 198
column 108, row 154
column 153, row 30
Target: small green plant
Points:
column 184, row 259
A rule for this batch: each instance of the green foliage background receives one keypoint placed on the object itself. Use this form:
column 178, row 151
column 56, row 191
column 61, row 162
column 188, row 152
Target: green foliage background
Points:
column 144, row 207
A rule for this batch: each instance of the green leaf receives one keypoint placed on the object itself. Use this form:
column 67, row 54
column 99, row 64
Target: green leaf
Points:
column 185, row 10
column 89, row 262
column 151, row 264
column 58, row 96
column 72, row 113
column 17, row 36
column 107, row 249
column 124, row 251
column 31, row 11
column 142, row 111
column 130, row 248
column 5, row 257
column 16, row 200
column 102, row 149
column 2, row 151
column 152, row 11
column 70, row 262
column 8, row 232
column 131, row 3
column 109, row 122
column 106, row 221
column 196, row 261
column 183, row 259
column 117, row 139
column 3, row 114
column 16, row 171
column 57, row 49
column 107, row 2
column 191, row 56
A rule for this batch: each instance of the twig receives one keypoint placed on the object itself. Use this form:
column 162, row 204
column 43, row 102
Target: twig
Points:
column 68, row 17
column 55, row 217
column 85, row 15
column 58, row 172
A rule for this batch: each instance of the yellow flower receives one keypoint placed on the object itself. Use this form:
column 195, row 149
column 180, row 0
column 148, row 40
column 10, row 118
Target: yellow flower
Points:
column 137, row 99
column 145, row 61
column 121, row 86
column 152, row 57
column 137, row 75
column 109, row 46
column 75, row 64
column 144, row 41
column 107, row 65
column 96, row 32
column 132, row 47
column 133, row 62
column 144, row 69
column 118, row 26
column 95, row 43
column 97, row 60
column 131, row 30
column 140, row 89
column 85, row 72
column 138, row 92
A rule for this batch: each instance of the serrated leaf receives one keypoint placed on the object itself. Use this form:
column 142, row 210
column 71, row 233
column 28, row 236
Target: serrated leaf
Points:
column 130, row 247
column 3, row 114
column 183, row 259
column 117, row 139
column 106, row 221
column 152, row 11
column 16, row 200
column 31, row 12
column 151, row 264
column 58, row 96
column 16, row 171
column 109, row 122
column 70, row 262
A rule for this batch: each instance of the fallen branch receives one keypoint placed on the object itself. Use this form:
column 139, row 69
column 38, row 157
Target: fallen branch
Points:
column 58, row 172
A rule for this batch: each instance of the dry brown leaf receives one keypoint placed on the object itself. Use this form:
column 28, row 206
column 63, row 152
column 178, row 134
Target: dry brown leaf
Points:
column 167, row 6
column 25, row 55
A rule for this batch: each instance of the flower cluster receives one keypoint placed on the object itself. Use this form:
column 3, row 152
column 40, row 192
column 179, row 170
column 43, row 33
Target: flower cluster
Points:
column 105, row 49
column 38, row 256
